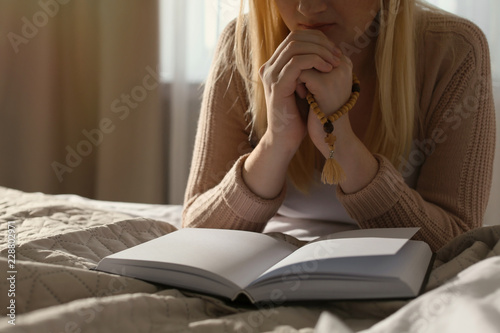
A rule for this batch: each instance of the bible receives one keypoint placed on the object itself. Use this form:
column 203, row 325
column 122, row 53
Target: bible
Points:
column 355, row 264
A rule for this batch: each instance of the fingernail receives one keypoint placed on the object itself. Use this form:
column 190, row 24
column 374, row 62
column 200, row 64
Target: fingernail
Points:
column 337, row 51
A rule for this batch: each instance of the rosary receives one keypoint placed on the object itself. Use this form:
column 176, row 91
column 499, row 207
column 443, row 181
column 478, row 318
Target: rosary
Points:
column 332, row 171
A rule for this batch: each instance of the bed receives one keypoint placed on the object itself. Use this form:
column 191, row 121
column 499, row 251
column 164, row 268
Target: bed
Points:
column 57, row 239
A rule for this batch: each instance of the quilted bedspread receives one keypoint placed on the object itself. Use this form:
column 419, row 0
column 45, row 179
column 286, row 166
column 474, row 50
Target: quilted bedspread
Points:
column 48, row 246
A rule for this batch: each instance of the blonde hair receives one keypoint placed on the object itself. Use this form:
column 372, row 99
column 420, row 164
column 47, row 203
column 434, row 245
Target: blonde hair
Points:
column 391, row 127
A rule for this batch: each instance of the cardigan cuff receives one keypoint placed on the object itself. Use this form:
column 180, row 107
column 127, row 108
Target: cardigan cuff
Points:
column 243, row 202
column 383, row 192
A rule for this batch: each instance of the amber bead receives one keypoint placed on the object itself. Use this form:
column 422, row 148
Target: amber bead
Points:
column 328, row 127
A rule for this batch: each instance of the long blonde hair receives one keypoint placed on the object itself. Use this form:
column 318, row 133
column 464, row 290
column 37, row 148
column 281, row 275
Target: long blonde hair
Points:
column 391, row 127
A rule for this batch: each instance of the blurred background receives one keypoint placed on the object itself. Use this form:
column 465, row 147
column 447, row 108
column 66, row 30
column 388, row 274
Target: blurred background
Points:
column 101, row 97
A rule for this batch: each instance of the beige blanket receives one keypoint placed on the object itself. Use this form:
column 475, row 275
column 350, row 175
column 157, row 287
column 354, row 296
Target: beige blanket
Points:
column 50, row 287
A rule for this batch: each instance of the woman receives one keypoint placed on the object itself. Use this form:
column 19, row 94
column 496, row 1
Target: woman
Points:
column 416, row 148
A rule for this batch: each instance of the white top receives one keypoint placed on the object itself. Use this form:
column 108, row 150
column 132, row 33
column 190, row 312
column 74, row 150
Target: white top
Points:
column 313, row 214
column 317, row 213
column 320, row 203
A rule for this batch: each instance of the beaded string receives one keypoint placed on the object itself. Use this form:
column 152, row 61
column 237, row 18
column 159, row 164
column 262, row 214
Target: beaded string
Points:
column 332, row 172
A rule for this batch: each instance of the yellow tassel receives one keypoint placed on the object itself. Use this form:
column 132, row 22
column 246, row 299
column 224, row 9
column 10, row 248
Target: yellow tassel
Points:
column 332, row 172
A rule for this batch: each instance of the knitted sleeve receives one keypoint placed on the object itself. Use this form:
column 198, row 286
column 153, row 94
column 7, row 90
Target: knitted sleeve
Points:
column 453, row 154
column 216, row 195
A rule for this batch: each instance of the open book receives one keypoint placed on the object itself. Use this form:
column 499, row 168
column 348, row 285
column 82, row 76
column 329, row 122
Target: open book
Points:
column 357, row 264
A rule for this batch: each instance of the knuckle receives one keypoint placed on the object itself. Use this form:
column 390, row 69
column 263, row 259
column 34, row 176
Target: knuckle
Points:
column 295, row 33
column 262, row 74
column 293, row 44
column 265, row 74
column 262, row 70
column 293, row 61
column 318, row 58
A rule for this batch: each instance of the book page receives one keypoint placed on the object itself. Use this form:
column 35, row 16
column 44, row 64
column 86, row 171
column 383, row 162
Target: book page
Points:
column 368, row 277
column 353, row 243
column 238, row 256
column 398, row 233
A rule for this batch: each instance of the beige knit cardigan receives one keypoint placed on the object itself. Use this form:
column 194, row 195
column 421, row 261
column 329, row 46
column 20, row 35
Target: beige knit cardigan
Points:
column 453, row 154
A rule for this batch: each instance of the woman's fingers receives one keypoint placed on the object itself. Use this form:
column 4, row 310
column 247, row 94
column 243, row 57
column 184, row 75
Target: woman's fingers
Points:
column 313, row 38
column 298, row 48
column 321, row 58
column 303, row 43
column 306, row 61
column 330, row 90
column 301, row 90
column 294, row 67
column 282, row 81
column 314, row 80
column 302, row 56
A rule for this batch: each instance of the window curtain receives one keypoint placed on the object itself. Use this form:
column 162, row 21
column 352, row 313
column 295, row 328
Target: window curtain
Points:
column 79, row 98
column 189, row 34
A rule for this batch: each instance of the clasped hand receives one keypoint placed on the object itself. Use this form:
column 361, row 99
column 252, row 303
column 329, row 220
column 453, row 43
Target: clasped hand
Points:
column 306, row 61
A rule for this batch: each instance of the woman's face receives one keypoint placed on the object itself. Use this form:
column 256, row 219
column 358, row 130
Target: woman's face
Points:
column 340, row 20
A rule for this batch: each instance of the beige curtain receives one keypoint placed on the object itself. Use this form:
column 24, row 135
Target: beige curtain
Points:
column 79, row 98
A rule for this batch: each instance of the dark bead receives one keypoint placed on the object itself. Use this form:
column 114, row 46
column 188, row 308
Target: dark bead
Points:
column 356, row 88
column 328, row 127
